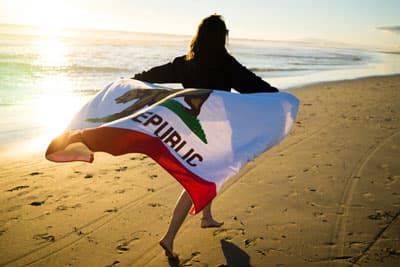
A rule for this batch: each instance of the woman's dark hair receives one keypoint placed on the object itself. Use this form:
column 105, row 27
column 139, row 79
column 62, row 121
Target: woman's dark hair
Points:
column 209, row 41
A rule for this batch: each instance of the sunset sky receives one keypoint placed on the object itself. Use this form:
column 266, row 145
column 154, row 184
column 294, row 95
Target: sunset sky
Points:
column 368, row 23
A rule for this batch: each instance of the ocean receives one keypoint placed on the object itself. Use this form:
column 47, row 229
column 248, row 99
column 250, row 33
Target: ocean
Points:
column 46, row 75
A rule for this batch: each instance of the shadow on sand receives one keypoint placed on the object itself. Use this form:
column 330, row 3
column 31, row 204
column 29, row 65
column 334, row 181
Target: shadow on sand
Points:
column 174, row 262
column 235, row 256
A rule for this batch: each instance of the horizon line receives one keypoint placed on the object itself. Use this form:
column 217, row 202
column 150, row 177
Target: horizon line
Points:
column 306, row 40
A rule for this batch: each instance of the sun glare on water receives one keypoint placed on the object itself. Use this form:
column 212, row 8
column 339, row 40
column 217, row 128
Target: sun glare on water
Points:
column 56, row 101
column 54, row 111
column 52, row 52
column 54, row 114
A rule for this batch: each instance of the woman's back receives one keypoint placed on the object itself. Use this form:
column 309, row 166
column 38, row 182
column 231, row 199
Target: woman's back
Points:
column 208, row 64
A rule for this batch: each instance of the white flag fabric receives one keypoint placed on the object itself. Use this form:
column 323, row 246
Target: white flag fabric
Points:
column 201, row 137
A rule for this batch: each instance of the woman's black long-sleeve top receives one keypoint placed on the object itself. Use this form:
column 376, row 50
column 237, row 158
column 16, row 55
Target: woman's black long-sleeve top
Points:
column 227, row 74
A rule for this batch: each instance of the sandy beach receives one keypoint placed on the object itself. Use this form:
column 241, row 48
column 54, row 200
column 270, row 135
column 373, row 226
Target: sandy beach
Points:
column 328, row 195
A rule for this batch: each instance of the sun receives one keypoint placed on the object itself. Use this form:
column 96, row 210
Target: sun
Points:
column 51, row 14
column 48, row 13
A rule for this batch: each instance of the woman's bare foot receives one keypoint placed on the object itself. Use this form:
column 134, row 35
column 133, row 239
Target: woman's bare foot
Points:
column 210, row 222
column 168, row 249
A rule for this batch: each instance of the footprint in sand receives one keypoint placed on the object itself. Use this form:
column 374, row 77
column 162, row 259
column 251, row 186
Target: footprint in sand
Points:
column 292, row 193
column 78, row 231
column 320, row 215
column 313, row 204
column 119, row 191
column 384, row 166
column 111, row 210
column 367, row 195
column 90, row 239
column 291, row 178
column 154, row 205
column 314, row 169
column 115, row 263
column 358, row 245
column 316, row 156
column 45, row 236
column 235, row 218
column 392, row 179
column 228, row 234
column 121, row 169
column 193, row 260
column 253, row 241
column 19, row 187
column 251, row 208
column 122, row 248
column 62, row 208
column 261, row 252
column 153, row 176
column 329, row 244
column 380, row 215
column 37, row 203
column 124, row 244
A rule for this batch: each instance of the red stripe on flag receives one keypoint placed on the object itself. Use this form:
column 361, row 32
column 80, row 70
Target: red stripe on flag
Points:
column 119, row 141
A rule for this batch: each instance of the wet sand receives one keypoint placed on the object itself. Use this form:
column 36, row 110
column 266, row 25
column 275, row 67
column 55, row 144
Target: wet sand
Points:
column 328, row 195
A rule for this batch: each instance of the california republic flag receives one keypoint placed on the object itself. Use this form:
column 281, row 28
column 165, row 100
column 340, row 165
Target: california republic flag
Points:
column 201, row 137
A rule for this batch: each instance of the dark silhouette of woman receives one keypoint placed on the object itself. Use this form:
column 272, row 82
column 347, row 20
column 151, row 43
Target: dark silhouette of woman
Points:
column 207, row 65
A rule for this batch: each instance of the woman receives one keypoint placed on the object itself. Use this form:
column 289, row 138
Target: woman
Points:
column 207, row 65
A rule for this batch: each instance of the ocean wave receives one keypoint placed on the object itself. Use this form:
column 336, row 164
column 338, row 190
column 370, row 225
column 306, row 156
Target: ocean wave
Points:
column 330, row 57
column 95, row 68
column 278, row 69
column 29, row 67
column 319, row 63
column 9, row 56
column 86, row 91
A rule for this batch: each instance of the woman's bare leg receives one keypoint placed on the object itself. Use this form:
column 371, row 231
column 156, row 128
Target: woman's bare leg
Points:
column 180, row 212
column 207, row 220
